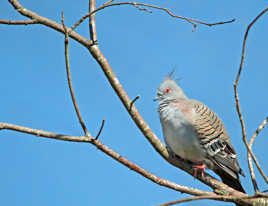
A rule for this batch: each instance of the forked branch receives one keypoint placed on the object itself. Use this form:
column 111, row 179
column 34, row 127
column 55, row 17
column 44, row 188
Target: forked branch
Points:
column 109, row 152
column 249, row 149
column 68, row 72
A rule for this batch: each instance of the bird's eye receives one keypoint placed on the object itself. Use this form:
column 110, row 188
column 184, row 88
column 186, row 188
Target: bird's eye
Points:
column 167, row 90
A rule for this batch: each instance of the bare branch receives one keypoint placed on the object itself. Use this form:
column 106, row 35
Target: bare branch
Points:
column 42, row 133
column 102, row 125
column 108, row 2
column 208, row 197
column 142, row 8
column 224, row 198
column 259, row 129
column 68, row 72
column 133, row 101
column 47, row 22
column 15, row 22
column 92, row 23
column 140, row 5
column 109, row 152
column 261, row 194
column 238, row 104
column 190, row 20
column 83, row 18
column 244, row 45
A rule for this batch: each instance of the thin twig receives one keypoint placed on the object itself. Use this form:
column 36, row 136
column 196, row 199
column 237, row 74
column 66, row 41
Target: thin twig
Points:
column 42, row 133
column 100, row 130
column 254, row 181
column 67, row 62
column 252, row 173
column 207, row 197
column 108, row 2
column 261, row 194
column 15, row 22
column 92, row 23
column 133, row 101
column 225, row 198
column 244, row 44
column 140, row 5
column 142, row 8
column 238, row 104
column 190, row 20
column 259, row 129
column 83, row 18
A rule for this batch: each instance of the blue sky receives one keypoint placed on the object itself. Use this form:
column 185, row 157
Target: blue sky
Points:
column 142, row 49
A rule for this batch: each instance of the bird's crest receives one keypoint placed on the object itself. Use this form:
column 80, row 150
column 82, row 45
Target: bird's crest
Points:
column 171, row 76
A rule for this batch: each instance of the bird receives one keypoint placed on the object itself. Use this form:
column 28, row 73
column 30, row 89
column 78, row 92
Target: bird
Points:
column 193, row 132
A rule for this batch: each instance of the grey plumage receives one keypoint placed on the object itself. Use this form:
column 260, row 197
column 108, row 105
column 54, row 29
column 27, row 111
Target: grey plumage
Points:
column 195, row 133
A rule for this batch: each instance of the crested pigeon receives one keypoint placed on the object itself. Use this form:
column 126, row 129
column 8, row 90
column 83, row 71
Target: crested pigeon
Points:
column 195, row 133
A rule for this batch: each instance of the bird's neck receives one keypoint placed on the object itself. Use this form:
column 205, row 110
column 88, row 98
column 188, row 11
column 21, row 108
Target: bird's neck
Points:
column 176, row 108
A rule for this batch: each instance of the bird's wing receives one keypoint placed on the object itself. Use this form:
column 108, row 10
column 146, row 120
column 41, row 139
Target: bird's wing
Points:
column 215, row 140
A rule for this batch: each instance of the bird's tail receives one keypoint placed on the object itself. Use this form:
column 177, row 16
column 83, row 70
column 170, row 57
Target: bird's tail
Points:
column 231, row 181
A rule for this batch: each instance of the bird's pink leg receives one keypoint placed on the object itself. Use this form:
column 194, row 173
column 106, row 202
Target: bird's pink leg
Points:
column 199, row 167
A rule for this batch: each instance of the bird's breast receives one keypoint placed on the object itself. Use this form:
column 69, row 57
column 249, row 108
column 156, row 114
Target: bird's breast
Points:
column 179, row 134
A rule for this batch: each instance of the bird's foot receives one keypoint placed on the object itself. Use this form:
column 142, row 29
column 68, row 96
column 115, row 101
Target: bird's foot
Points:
column 200, row 168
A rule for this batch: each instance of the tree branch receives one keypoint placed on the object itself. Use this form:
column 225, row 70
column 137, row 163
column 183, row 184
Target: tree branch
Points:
column 100, row 130
column 208, row 197
column 49, row 23
column 92, row 23
column 19, row 22
column 108, row 2
column 68, row 72
column 259, row 129
column 192, row 21
column 133, row 101
column 249, row 150
column 109, row 152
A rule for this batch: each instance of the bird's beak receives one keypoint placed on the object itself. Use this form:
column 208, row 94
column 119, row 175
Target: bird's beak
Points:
column 156, row 99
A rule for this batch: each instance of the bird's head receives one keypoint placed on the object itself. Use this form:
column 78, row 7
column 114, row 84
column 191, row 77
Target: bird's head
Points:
column 169, row 89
